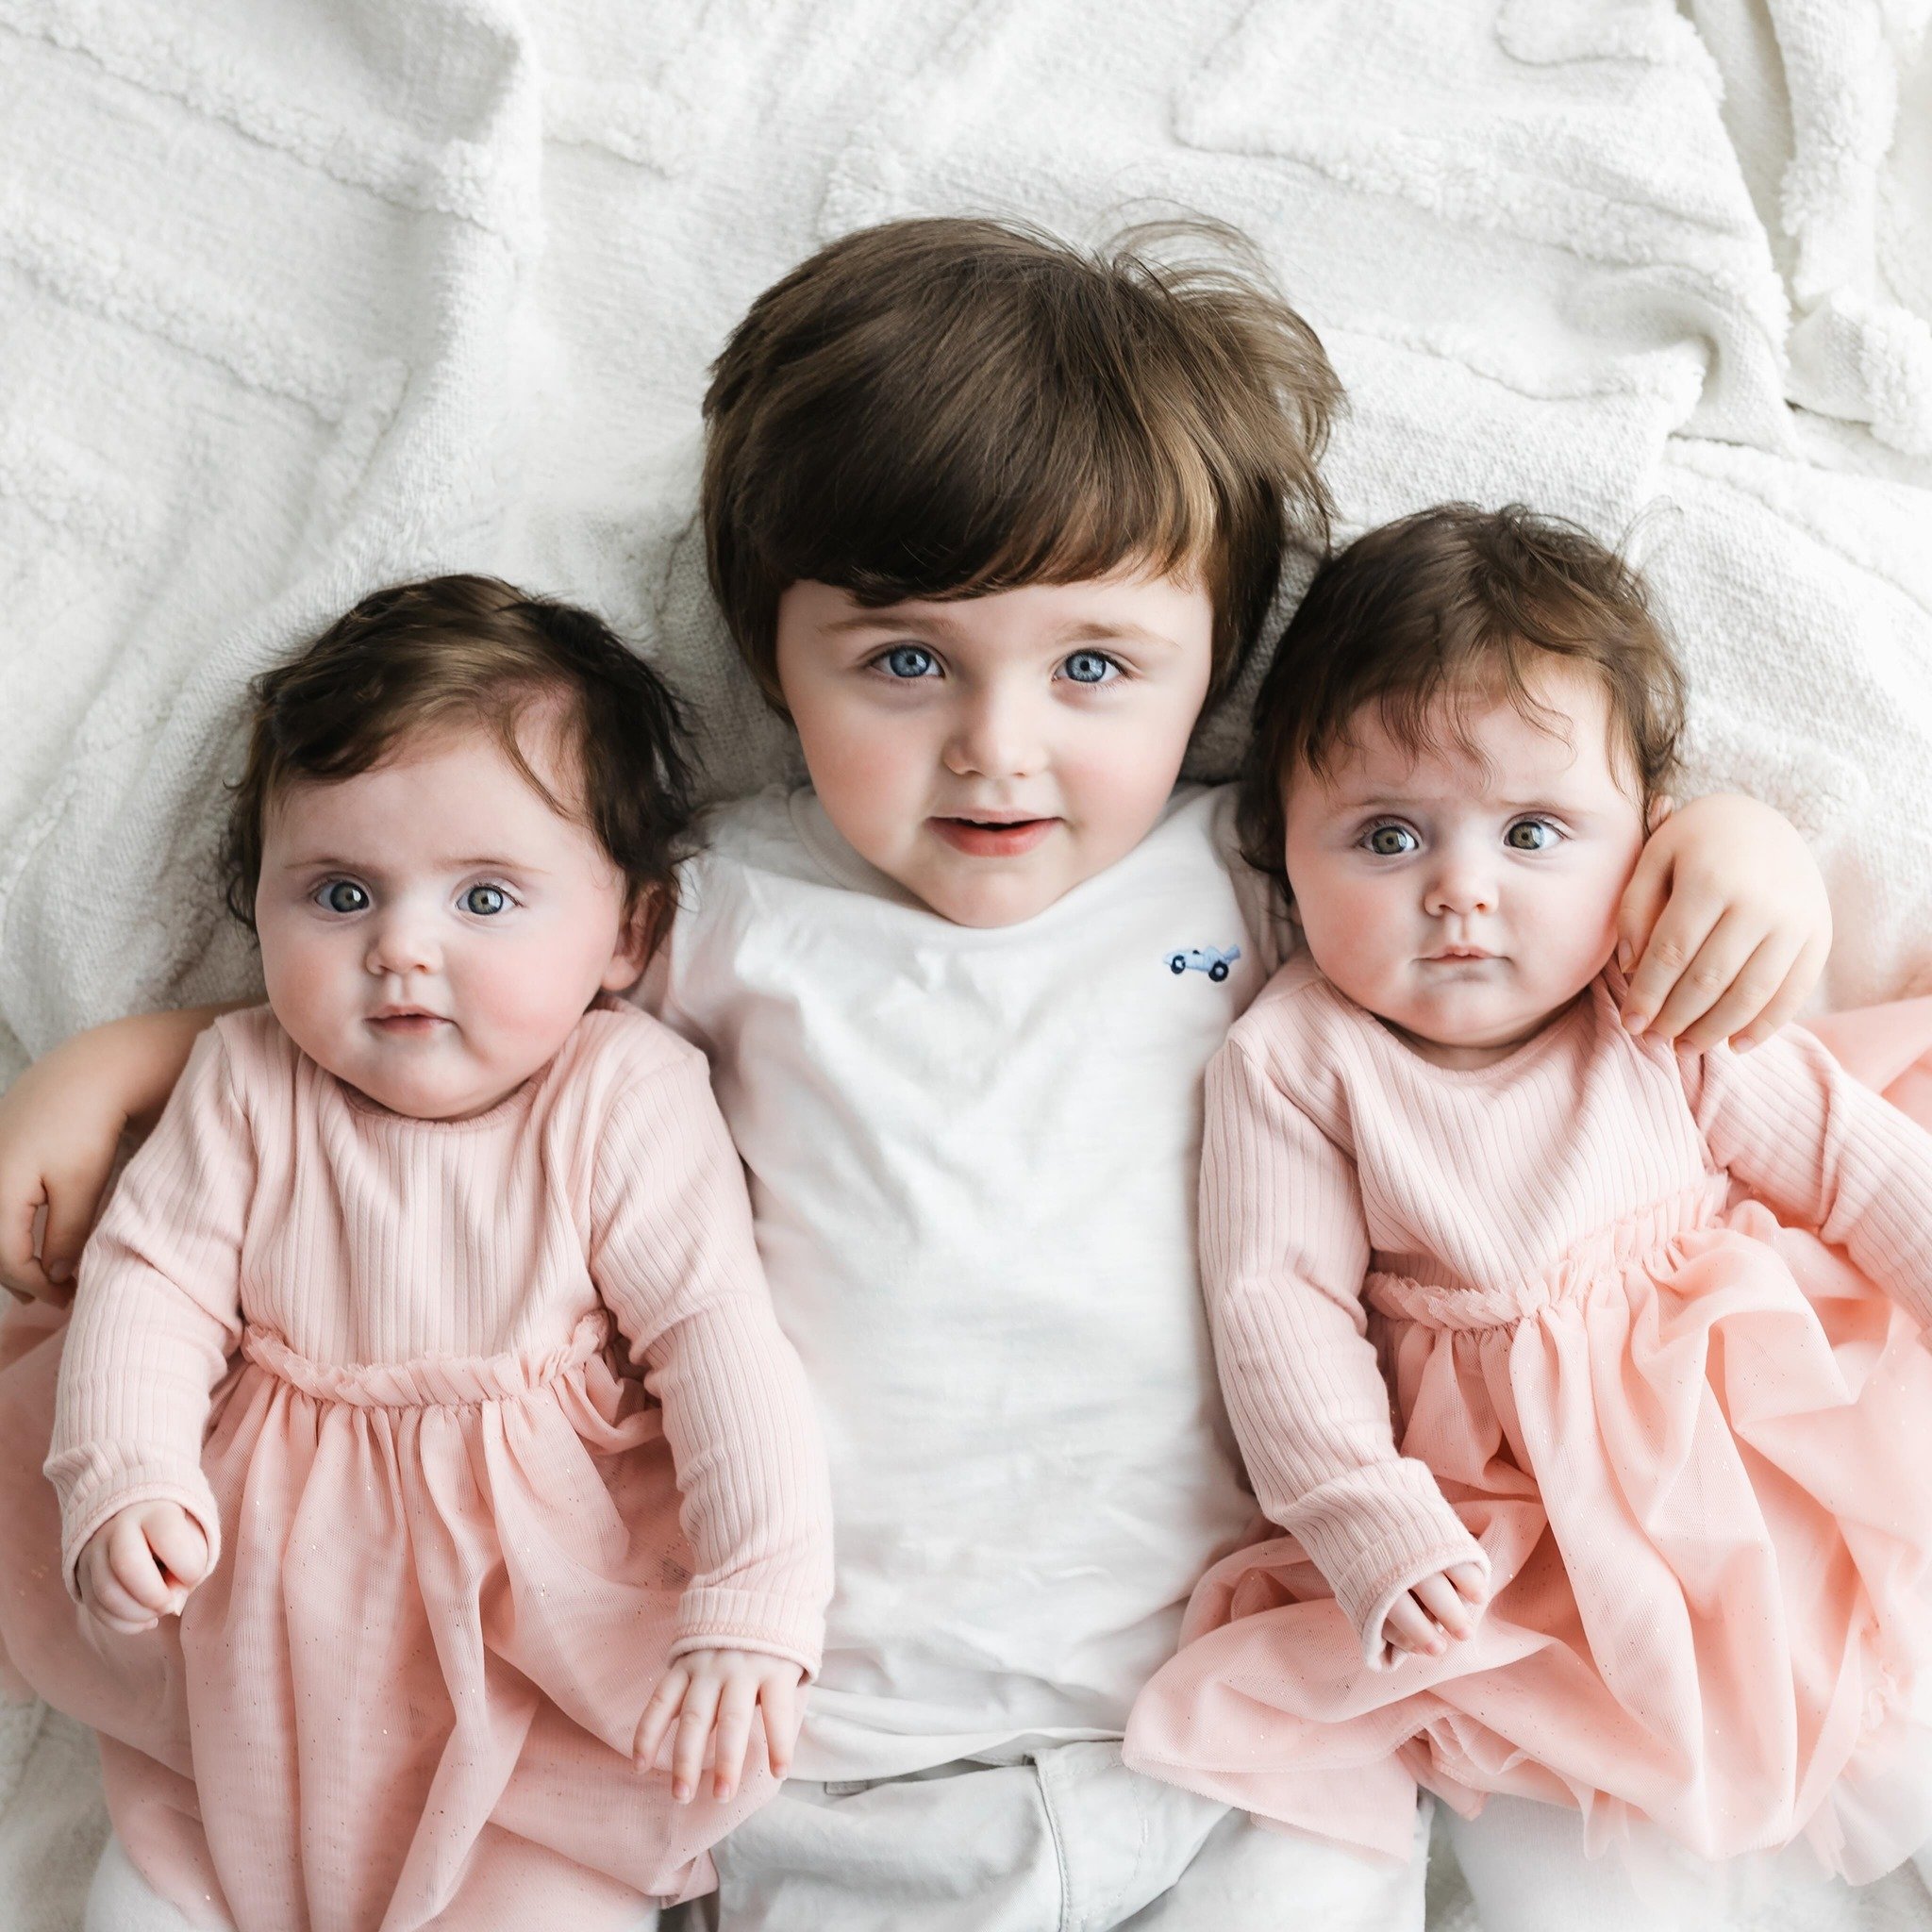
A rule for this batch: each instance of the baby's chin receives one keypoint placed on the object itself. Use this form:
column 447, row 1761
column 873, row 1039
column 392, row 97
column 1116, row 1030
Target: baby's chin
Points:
column 421, row 1091
column 1473, row 1032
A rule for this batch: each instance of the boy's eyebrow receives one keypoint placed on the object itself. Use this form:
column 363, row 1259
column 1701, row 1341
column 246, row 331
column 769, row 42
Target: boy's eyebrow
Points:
column 1098, row 633
column 889, row 617
column 1090, row 632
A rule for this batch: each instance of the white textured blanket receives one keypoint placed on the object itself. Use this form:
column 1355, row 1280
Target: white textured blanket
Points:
column 300, row 295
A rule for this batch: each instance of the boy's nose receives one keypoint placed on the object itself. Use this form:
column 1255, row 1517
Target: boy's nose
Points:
column 995, row 737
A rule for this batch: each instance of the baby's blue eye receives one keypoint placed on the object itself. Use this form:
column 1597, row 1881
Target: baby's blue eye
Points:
column 1088, row 667
column 1391, row 841
column 343, row 896
column 1531, row 835
column 910, row 660
column 485, row 899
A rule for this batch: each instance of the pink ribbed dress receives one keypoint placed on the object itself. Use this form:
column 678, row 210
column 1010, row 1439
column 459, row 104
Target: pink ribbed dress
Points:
column 1692, row 1441
column 449, row 1564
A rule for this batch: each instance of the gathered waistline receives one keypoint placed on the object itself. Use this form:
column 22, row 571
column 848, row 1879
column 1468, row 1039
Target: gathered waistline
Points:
column 1646, row 1236
column 428, row 1381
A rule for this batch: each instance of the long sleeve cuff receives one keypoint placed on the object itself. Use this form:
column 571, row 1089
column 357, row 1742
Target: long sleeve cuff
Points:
column 1373, row 1532
column 95, row 1484
column 718, row 1618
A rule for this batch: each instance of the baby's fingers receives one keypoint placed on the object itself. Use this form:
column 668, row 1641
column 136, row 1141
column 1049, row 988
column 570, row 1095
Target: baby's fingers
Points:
column 658, row 1713
column 133, row 1566
column 177, row 1542
column 693, row 1733
column 735, row 1709
column 782, row 1714
column 1407, row 1627
column 1443, row 1603
column 113, row 1606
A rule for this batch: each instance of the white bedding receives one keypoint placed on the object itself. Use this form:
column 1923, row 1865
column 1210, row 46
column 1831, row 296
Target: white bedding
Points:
column 300, row 295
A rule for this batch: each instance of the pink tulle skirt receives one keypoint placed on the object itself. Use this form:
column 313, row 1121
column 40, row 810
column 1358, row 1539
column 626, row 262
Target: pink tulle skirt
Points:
column 408, row 1695
column 1699, row 1459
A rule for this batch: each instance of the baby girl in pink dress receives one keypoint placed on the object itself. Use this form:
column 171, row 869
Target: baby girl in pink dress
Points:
column 384, row 1609
column 1648, row 1543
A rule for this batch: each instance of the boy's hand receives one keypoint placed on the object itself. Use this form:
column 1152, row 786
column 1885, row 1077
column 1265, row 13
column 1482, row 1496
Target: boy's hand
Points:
column 1440, row 1608
column 1727, row 922
column 140, row 1564
column 707, row 1691
column 59, row 1130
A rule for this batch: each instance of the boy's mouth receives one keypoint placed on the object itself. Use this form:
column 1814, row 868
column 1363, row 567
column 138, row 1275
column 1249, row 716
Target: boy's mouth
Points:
column 992, row 838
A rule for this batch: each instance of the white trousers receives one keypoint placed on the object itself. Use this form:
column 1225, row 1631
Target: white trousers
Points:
column 1069, row 1841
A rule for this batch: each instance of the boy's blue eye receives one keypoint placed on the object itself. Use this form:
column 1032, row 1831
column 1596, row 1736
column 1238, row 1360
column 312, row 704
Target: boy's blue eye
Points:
column 1391, row 841
column 485, row 900
column 1088, row 667
column 1531, row 835
column 343, row 896
column 910, row 660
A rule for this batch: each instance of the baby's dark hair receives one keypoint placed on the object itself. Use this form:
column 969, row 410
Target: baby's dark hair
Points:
column 473, row 649
column 944, row 407
column 1458, row 601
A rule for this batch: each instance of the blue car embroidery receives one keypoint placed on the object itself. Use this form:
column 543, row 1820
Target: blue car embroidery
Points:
column 1212, row 960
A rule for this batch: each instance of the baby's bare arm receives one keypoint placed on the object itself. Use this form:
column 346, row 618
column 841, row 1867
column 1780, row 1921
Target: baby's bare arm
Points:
column 60, row 1125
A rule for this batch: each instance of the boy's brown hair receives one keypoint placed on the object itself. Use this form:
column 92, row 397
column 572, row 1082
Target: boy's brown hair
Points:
column 473, row 649
column 1460, row 602
column 944, row 407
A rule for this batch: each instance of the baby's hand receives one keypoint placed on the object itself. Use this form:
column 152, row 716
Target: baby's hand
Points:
column 718, row 1690
column 1445, row 1606
column 140, row 1564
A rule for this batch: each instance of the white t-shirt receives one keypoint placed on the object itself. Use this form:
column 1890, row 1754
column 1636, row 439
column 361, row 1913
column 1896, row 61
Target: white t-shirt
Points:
column 973, row 1157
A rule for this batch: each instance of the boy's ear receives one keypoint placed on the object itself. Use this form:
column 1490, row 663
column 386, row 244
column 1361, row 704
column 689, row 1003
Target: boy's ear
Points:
column 1660, row 809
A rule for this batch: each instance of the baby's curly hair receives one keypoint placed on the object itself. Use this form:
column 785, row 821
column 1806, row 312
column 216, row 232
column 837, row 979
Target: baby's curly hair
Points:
column 450, row 650
column 1456, row 601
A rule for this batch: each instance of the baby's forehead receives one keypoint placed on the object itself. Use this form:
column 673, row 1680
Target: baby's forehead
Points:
column 1482, row 745
column 455, row 771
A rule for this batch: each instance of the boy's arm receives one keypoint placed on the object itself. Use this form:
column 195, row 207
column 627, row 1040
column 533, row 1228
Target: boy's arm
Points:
column 1727, row 921
column 1284, row 1249
column 1825, row 1152
column 158, row 1314
column 60, row 1128
column 673, row 1257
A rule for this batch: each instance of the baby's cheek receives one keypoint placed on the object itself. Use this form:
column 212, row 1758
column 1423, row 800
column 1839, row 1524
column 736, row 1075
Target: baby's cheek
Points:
column 304, row 984
column 1350, row 927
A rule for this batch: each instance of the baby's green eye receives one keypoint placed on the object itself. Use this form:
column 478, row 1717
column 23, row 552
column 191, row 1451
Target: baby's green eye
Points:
column 343, row 896
column 1531, row 835
column 485, row 899
column 909, row 661
column 1391, row 841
